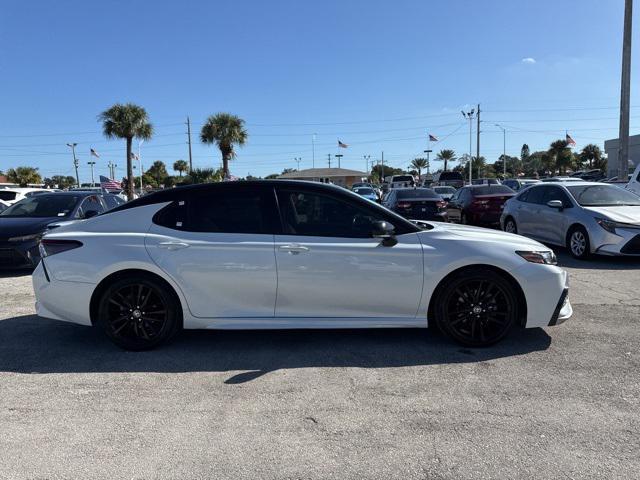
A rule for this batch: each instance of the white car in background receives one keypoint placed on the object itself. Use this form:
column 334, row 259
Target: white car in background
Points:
column 586, row 217
column 13, row 195
column 289, row 254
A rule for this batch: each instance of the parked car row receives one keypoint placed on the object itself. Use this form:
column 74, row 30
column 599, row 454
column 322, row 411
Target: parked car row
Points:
column 23, row 223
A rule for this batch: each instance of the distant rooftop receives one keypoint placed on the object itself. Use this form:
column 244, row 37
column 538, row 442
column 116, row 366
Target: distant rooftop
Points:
column 324, row 173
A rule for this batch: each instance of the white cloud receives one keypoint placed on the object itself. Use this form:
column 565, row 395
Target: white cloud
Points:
column 529, row 60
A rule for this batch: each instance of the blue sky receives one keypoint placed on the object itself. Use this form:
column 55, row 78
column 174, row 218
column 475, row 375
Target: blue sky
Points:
column 377, row 75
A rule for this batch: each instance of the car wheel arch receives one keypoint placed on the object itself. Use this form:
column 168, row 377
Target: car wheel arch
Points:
column 572, row 228
column 120, row 274
column 522, row 300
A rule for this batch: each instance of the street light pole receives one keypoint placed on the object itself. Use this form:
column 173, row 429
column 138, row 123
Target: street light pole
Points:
column 469, row 116
column 428, row 162
column 338, row 156
column 625, row 92
column 297, row 159
column 91, row 164
column 504, row 149
column 75, row 161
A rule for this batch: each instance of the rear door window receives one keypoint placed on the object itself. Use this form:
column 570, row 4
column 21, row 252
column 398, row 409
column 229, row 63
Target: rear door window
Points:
column 535, row 195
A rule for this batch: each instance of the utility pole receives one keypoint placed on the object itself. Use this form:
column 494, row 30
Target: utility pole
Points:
column 189, row 142
column 469, row 116
column 382, row 168
column 75, row 161
column 329, row 157
column 478, row 141
column 91, row 164
column 428, row 163
column 313, row 151
column 625, row 92
column 297, row 159
column 338, row 156
column 504, row 149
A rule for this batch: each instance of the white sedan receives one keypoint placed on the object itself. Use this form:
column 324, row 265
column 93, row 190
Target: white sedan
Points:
column 289, row 254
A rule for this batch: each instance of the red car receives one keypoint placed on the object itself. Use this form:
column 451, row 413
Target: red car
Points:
column 479, row 204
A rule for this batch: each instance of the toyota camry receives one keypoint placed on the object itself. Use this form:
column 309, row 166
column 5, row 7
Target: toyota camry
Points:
column 289, row 254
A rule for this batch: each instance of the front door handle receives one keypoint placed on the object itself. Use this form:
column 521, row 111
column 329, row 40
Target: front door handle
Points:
column 173, row 245
column 293, row 249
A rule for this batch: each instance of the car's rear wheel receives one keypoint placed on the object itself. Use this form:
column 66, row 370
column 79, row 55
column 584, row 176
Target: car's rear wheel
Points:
column 578, row 243
column 510, row 225
column 138, row 313
column 476, row 307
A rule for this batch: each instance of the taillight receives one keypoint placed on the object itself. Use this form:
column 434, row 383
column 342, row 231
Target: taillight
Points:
column 441, row 204
column 50, row 247
column 404, row 205
column 480, row 202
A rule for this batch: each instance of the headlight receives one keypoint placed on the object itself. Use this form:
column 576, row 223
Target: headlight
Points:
column 24, row 238
column 546, row 257
column 610, row 226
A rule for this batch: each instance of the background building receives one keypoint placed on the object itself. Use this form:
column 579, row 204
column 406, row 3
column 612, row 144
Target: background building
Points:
column 338, row 176
column 611, row 148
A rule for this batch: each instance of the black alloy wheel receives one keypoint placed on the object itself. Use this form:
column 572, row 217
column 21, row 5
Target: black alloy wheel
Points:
column 477, row 307
column 138, row 313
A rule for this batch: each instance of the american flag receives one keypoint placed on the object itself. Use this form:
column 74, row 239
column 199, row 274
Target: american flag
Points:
column 109, row 184
column 342, row 145
column 433, row 138
column 570, row 141
column 93, row 153
column 134, row 156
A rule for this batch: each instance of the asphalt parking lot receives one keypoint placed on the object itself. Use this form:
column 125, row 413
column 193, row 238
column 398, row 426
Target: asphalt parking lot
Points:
column 561, row 402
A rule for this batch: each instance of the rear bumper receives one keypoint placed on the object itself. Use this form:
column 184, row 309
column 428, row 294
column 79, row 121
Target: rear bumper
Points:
column 61, row 300
column 485, row 218
column 438, row 217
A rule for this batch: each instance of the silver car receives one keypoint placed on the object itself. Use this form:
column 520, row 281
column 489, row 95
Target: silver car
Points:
column 586, row 217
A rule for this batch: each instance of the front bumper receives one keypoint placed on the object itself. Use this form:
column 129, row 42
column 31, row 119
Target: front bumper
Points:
column 626, row 241
column 17, row 255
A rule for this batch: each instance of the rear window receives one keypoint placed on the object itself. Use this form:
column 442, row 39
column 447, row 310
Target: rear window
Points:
column 491, row 190
column 4, row 195
column 417, row 193
column 402, row 178
column 364, row 191
column 444, row 176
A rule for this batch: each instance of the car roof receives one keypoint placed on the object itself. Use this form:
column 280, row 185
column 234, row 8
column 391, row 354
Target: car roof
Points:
column 23, row 189
column 560, row 183
column 70, row 194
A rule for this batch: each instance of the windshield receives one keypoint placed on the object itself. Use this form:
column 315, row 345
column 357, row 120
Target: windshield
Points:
column 603, row 196
column 491, row 190
column 402, row 178
column 417, row 193
column 445, row 190
column 52, row 205
column 364, row 191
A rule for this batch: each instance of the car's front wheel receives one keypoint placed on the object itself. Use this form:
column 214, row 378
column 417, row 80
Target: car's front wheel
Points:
column 139, row 312
column 578, row 243
column 476, row 307
column 510, row 225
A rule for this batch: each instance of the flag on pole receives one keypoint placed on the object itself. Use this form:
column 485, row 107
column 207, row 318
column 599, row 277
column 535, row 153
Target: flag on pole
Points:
column 570, row 141
column 433, row 138
column 94, row 153
column 134, row 156
column 342, row 145
column 109, row 184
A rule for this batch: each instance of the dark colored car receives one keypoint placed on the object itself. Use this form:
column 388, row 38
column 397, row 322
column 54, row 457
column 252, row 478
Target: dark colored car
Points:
column 23, row 223
column 479, row 204
column 417, row 204
column 452, row 179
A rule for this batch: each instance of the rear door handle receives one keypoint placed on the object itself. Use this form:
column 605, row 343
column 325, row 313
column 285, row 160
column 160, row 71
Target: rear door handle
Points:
column 173, row 245
column 293, row 249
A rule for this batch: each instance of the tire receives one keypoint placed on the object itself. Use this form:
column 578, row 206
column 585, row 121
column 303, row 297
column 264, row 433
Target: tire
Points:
column 476, row 307
column 578, row 243
column 510, row 225
column 139, row 312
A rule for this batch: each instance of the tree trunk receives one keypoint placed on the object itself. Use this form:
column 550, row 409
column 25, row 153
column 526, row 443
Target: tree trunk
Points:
column 225, row 166
column 445, row 164
column 130, row 178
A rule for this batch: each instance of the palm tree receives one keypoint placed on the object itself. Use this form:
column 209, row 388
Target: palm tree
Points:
column 446, row 156
column 591, row 153
column 225, row 130
column 202, row 175
column 180, row 166
column 560, row 152
column 127, row 121
column 24, row 176
column 419, row 164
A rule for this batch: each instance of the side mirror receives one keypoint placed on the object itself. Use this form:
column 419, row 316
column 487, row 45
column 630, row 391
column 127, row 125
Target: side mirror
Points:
column 385, row 231
column 90, row 213
column 556, row 204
